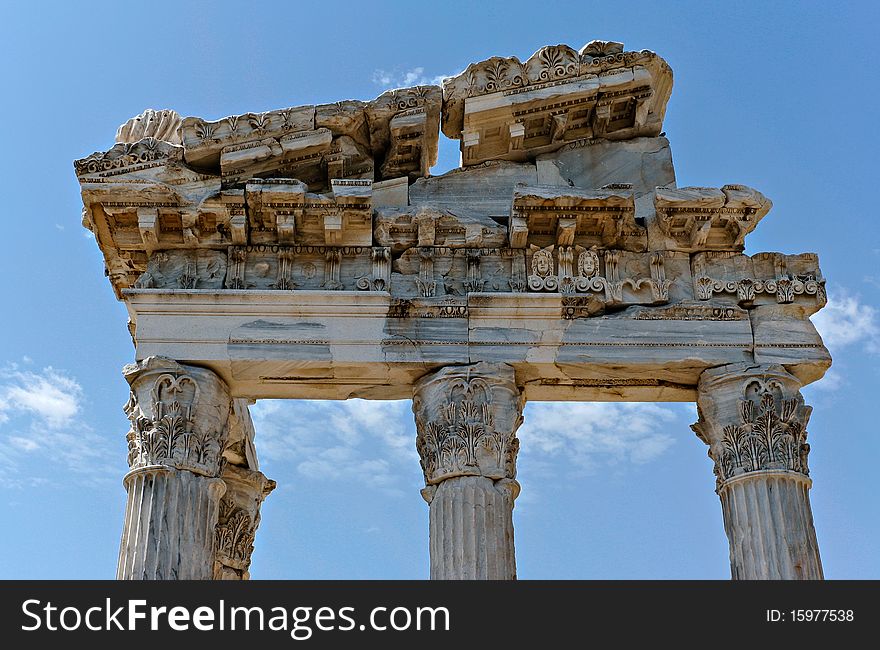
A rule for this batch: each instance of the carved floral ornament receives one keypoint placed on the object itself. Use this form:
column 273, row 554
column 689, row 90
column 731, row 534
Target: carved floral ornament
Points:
column 552, row 62
column 747, row 289
column 167, row 434
column 583, row 273
column 234, row 536
column 125, row 157
column 770, row 433
column 462, row 436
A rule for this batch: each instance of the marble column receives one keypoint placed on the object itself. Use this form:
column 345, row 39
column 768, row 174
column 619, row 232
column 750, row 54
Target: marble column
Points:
column 755, row 422
column 179, row 425
column 466, row 422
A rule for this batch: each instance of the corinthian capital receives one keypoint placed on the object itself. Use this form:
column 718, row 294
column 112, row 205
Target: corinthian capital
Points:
column 754, row 419
column 178, row 414
column 466, row 420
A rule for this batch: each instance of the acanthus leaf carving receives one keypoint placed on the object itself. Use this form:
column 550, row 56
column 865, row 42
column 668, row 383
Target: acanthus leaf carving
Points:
column 462, row 435
column 165, row 432
column 769, row 433
column 234, row 536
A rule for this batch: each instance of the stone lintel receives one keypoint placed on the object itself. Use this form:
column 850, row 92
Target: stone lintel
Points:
column 360, row 344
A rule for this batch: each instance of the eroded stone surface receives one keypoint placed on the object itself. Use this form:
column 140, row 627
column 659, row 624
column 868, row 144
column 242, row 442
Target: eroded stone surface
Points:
column 307, row 252
column 502, row 108
column 754, row 420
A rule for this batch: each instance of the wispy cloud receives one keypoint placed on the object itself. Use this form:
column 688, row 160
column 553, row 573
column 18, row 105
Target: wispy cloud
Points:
column 367, row 442
column 406, row 78
column 592, row 434
column 50, row 395
column 847, row 321
column 40, row 422
column 372, row 443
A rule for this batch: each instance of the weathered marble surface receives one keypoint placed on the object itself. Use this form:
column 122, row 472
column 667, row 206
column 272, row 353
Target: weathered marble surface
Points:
column 502, row 108
column 754, row 420
column 194, row 491
column 307, row 252
column 705, row 218
column 466, row 420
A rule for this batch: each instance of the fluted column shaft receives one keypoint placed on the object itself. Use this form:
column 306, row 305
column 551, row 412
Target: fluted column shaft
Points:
column 466, row 419
column 179, row 425
column 755, row 422
column 169, row 525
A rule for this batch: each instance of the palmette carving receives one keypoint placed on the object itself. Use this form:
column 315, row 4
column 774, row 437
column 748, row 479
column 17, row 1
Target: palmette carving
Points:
column 466, row 423
column 763, row 278
column 161, row 125
column 768, row 431
column 125, row 157
column 747, row 289
column 173, row 422
column 425, row 282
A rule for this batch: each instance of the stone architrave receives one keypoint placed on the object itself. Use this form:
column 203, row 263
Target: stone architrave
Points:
column 755, row 422
column 179, row 417
column 466, row 419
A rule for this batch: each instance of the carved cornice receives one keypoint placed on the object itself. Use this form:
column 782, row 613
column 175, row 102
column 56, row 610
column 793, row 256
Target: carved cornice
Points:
column 565, row 216
column 127, row 157
column 702, row 218
column 600, row 83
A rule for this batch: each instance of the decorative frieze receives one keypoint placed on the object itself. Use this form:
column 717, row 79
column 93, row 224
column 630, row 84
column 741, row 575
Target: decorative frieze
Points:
column 620, row 276
column 764, row 278
column 184, row 269
column 303, row 267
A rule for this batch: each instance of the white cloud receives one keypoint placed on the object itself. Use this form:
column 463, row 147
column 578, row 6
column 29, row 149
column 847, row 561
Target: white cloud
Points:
column 50, row 395
column 372, row 443
column 40, row 421
column 369, row 442
column 846, row 321
column 25, row 444
column 404, row 79
column 589, row 434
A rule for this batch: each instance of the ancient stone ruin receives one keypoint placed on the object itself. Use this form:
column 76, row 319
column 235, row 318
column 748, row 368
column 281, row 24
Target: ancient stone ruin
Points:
column 307, row 252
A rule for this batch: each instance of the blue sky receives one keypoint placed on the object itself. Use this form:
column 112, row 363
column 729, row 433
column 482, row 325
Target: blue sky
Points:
column 779, row 96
